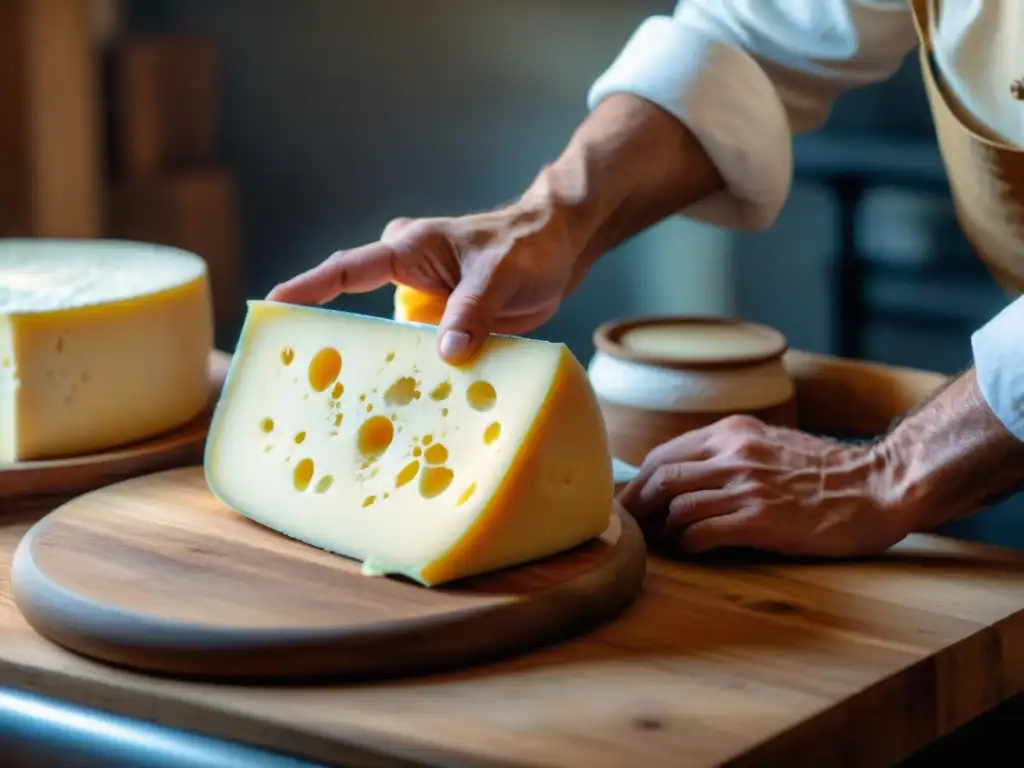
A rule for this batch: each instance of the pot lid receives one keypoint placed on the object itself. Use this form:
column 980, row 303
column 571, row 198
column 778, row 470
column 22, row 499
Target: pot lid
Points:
column 690, row 342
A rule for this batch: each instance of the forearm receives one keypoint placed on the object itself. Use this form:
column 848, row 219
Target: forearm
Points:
column 949, row 458
column 629, row 165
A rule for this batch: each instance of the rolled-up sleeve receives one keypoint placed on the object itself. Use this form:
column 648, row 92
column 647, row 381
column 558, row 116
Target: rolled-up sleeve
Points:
column 745, row 75
column 998, row 348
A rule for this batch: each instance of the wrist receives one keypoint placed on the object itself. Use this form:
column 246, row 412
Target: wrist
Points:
column 561, row 201
column 949, row 459
column 862, row 475
column 629, row 165
column 897, row 485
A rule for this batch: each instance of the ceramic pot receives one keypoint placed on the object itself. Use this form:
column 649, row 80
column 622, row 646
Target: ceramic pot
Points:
column 658, row 377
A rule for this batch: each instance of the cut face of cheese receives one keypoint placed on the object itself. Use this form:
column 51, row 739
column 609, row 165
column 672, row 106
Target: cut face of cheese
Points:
column 351, row 434
column 101, row 344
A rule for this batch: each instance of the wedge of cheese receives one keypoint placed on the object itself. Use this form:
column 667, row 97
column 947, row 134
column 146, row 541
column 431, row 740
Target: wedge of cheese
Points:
column 102, row 343
column 351, row 434
column 417, row 307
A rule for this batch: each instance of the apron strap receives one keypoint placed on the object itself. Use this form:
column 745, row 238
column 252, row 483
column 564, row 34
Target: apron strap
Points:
column 924, row 20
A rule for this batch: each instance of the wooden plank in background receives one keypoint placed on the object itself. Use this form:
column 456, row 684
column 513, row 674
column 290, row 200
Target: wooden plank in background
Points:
column 50, row 147
column 165, row 104
column 193, row 210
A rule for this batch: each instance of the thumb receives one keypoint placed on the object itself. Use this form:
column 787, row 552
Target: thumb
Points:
column 359, row 270
column 470, row 313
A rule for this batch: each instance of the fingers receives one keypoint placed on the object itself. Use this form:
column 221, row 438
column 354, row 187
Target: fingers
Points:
column 692, row 507
column 359, row 270
column 738, row 529
column 652, row 490
column 470, row 313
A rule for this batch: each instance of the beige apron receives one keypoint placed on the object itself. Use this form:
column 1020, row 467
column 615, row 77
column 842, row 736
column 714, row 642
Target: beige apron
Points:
column 986, row 175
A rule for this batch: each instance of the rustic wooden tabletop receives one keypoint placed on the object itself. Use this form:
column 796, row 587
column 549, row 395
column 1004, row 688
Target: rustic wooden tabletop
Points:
column 718, row 663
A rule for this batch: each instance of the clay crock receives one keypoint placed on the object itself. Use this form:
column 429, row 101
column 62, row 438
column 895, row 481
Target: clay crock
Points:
column 658, row 377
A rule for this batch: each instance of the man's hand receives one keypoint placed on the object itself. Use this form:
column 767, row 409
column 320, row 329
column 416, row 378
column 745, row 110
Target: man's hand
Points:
column 741, row 483
column 628, row 165
column 504, row 271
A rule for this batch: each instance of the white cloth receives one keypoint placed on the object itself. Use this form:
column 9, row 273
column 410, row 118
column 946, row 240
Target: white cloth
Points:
column 745, row 75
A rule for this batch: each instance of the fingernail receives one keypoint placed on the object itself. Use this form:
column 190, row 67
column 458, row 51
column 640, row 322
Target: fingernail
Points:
column 454, row 344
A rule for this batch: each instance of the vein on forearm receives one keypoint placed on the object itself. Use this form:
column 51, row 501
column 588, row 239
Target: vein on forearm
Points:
column 950, row 457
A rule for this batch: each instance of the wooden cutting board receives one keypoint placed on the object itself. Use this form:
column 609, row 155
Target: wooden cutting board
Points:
column 155, row 573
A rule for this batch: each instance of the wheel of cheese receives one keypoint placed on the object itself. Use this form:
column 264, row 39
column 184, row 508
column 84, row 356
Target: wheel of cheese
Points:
column 102, row 343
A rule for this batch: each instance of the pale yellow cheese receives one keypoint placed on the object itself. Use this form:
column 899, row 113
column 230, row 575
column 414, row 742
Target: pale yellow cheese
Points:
column 699, row 341
column 102, row 344
column 351, row 434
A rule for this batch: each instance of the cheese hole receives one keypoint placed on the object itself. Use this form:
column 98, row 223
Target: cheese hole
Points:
column 369, row 407
column 434, row 481
column 390, row 357
column 402, row 392
column 362, row 397
column 417, row 451
column 338, row 390
column 338, row 419
column 465, row 495
column 267, row 425
column 436, row 454
column 324, row 484
column 481, row 396
column 324, row 369
column 369, row 500
column 406, row 474
column 444, row 411
column 299, row 438
column 441, row 391
column 302, row 474
column 287, row 355
column 375, row 436
column 492, row 433
column 428, row 439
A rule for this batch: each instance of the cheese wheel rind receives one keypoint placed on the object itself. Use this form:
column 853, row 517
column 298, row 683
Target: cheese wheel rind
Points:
column 102, row 344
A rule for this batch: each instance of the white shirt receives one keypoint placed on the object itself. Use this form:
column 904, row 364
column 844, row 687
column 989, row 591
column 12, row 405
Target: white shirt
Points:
column 745, row 75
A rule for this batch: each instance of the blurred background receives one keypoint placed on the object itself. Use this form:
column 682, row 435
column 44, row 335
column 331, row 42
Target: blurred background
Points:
column 264, row 135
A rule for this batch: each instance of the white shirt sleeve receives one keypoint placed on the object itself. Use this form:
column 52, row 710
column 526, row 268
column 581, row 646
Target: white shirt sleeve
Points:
column 999, row 365
column 745, row 75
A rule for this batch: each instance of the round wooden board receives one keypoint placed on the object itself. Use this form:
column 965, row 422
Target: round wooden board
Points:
column 33, row 482
column 156, row 574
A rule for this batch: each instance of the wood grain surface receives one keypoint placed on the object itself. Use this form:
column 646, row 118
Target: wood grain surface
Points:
column 155, row 573
column 854, row 398
column 742, row 664
column 44, row 484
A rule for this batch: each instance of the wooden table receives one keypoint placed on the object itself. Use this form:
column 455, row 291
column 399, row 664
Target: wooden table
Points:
column 755, row 664
column 769, row 664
